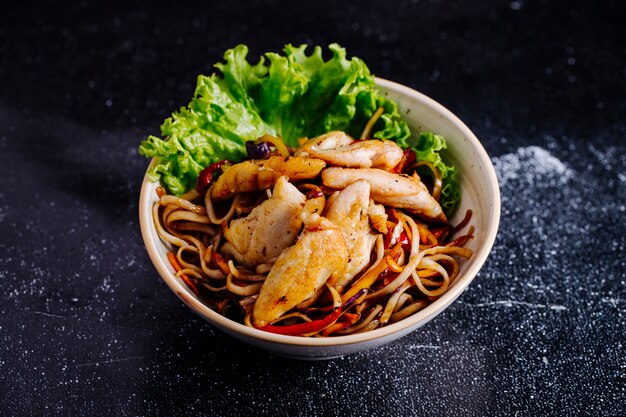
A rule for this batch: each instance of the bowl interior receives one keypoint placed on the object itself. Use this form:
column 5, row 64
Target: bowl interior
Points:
column 479, row 186
column 480, row 194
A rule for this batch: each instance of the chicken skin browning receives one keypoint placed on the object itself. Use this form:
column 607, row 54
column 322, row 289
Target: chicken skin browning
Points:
column 319, row 256
column 250, row 176
column 390, row 189
column 270, row 227
column 349, row 211
column 339, row 149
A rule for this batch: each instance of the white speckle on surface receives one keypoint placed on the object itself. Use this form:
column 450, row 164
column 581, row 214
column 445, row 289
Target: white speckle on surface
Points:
column 513, row 303
column 615, row 302
column 533, row 163
column 423, row 347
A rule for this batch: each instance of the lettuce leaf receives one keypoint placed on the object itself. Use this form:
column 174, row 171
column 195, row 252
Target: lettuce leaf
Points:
column 428, row 147
column 292, row 95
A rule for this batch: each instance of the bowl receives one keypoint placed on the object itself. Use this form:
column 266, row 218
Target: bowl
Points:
column 480, row 190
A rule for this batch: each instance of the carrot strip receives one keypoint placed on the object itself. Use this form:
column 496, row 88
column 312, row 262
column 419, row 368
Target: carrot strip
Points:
column 174, row 262
column 365, row 281
column 371, row 276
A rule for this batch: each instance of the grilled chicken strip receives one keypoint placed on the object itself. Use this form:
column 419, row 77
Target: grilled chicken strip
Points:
column 349, row 211
column 259, row 175
column 337, row 148
column 395, row 190
column 270, row 227
column 378, row 217
column 330, row 140
column 319, row 255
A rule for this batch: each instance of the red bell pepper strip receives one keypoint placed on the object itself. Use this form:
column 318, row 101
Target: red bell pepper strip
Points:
column 346, row 321
column 304, row 328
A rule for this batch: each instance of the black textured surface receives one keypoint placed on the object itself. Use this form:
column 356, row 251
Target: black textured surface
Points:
column 88, row 328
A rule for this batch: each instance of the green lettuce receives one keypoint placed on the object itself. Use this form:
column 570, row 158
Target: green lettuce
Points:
column 292, row 95
column 428, row 147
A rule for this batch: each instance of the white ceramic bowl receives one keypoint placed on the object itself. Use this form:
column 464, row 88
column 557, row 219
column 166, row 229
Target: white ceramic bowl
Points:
column 480, row 193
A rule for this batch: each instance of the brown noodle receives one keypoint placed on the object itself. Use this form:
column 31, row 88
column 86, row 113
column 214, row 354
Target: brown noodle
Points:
column 399, row 281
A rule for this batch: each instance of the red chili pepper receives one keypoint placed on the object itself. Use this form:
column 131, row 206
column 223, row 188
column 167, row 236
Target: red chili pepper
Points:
column 460, row 241
column 440, row 232
column 304, row 328
column 407, row 160
column 393, row 215
column 205, row 178
column 404, row 239
column 346, row 321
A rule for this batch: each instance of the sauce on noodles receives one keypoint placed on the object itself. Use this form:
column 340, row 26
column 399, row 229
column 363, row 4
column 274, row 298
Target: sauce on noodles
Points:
column 248, row 241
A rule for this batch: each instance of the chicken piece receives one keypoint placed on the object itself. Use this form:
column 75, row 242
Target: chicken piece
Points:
column 337, row 148
column 330, row 140
column 259, row 175
column 270, row 227
column 395, row 190
column 294, row 167
column 349, row 211
column 239, row 178
column 378, row 217
column 319, row 255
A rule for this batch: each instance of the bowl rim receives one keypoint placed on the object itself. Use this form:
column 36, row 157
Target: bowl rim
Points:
column 401, row 327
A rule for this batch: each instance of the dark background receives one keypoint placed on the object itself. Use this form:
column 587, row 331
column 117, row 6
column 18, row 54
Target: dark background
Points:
column 88, row 328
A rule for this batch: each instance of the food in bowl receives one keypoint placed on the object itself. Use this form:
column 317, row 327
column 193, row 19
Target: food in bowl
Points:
column 310, row 237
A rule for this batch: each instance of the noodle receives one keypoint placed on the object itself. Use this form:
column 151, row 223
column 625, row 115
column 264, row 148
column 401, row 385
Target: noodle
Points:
column 244, row 290
column 393, row 300
column 211, row 213
column 370, row 124
column 412, row 264
column 437, row 179
column 364, row 323
column 243, row 275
